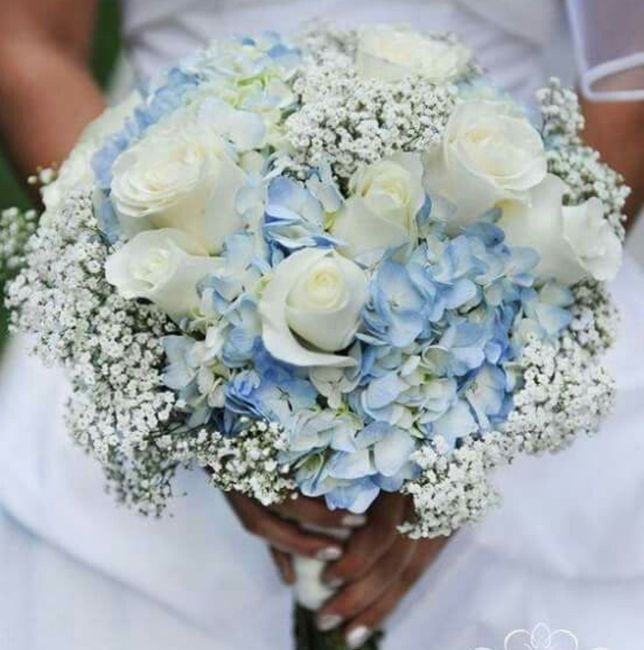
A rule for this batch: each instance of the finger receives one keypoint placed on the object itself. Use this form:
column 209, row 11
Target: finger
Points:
column 360, row 630
column 372, row 618
column 282, row 535
column 284, row 565
column 315, row 512
column 368, row 544
column 357, row 596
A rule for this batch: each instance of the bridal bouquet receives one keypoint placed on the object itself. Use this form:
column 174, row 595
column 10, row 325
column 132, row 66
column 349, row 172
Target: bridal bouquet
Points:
column 334, row 267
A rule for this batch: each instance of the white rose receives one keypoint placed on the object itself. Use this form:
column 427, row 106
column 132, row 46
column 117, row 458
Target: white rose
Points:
column 390, row 53
column 573, row 242
column 164, row 266
column 380, row 213
column 179, row 176
column 317, row 295
column 76, row 172
column 489, row 152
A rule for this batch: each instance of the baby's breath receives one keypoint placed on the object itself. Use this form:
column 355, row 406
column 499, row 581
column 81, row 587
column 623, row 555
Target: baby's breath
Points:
column 578, row 165
column 347, row 121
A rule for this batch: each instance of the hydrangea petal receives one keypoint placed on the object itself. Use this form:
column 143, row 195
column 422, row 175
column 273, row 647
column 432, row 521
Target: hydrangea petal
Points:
column 392, row 452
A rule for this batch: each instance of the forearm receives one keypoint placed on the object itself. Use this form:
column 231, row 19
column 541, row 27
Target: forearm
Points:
column 617, row 132
column 47, row 95
column 46, row 99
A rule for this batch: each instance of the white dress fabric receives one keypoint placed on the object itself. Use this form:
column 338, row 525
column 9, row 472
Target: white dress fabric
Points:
column 609, row 42
column 566, row 548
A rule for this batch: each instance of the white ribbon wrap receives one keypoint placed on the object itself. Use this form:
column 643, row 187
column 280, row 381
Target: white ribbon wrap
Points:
column 309, row 590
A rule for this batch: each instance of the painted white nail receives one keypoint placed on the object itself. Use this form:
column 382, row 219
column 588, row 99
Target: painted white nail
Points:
column 357, row 637
column 328, row 622
column 334, row 583
column 354, row 521
column 330, row 554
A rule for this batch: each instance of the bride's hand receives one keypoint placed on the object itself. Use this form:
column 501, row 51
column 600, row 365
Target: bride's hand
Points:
column 378, row 567
column 281, row 527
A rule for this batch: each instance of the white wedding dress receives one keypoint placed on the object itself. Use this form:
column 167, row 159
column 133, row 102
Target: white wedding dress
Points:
column 566, row 548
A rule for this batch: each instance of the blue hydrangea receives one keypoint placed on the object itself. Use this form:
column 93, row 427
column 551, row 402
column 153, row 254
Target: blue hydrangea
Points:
column 246, row 260
column 489, row 397
column 315, row 431
column 377, row 460
column 457, row 422
column 244, row 332
column 196, row 373
column 106, row 217
column 272, row 390
column 294, row 217
column 396, row 314
column 250, row 57
column 433, row 355
column 545, row 313
column 252, row 72
column 178, row 373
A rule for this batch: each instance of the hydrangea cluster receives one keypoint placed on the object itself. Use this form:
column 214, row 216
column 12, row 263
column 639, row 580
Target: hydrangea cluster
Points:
column 331, row 268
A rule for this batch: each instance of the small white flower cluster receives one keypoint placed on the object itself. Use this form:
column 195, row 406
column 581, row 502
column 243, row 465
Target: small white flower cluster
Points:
column 595, row 318
column 347, row 121
column 248, row 462
column 586, row 176
column 15, row 229
column 110, row 347
column 454, row 488
column 565, row 392
column 578, row 165
column 560, row 112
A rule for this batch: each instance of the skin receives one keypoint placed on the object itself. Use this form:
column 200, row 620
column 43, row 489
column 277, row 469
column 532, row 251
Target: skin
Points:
column 616, row 129
column 47, row 97
column 378, row 565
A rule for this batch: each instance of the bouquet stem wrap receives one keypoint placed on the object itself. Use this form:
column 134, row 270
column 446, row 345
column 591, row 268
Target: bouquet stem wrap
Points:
column 310, row 594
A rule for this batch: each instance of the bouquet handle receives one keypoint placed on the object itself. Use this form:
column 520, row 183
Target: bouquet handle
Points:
column 310, row 594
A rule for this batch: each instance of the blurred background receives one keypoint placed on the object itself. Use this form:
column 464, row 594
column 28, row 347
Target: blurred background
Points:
column 108, row 69
column 112, row 72
column 105, row 56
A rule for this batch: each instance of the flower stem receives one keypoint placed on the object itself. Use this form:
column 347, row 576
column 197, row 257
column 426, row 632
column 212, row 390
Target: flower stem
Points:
column 308, row 637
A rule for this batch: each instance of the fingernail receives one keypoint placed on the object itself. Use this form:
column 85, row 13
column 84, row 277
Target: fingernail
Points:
column 354, row 521
column 334, row 583
column 329, row 554
column 328, row 622
column 358, row 636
